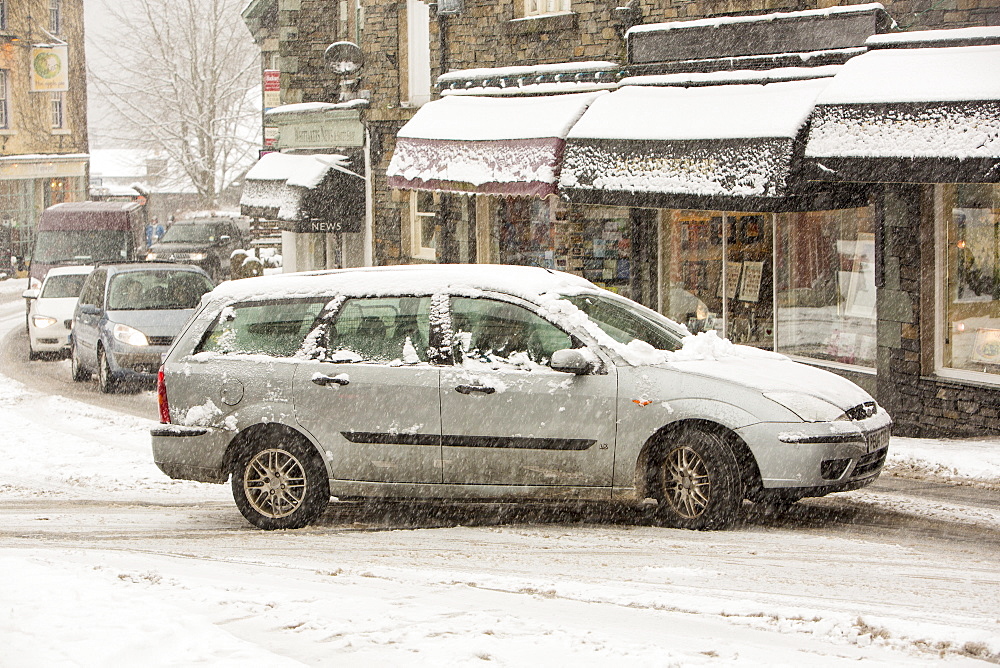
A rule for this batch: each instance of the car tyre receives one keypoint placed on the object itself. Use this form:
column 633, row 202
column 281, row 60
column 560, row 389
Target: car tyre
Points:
column 80, row 372
column 280, row 483
column 106, row 382
column 696, row 481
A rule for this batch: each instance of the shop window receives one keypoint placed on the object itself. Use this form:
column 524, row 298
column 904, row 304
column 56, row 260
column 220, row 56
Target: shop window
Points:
column 592, row 241
column 719, row 275
column 418, row 51
column 4, row 99
column 969, row 224
column 543, row 7
column 423, row 225
column 825, row 292
column 57, row 105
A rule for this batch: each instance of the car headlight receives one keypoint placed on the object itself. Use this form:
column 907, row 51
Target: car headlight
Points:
column 807, row 407
column 130, row 335
column 151, row 256
column 195, row 257
column 42, row 321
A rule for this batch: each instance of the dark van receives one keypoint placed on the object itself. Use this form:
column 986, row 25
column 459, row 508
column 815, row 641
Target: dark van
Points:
column 87, row 233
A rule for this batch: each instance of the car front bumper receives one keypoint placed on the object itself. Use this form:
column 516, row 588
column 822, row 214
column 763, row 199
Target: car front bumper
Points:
column 819, row 457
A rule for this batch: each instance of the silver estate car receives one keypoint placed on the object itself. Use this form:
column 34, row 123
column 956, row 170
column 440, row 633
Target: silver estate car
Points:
column 493, row 382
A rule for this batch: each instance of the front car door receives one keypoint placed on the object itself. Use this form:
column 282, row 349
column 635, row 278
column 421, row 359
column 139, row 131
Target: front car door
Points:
column 372, row 397
column 508, row 418
column 86, row 327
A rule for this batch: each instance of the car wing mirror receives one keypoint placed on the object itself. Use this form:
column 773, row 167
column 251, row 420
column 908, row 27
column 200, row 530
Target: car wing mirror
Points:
column 572, row 360
column 224, row 238
column 30, row 294
column 89, row 309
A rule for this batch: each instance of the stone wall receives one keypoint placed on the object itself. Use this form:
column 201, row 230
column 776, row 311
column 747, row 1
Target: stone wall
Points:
column 486, row 34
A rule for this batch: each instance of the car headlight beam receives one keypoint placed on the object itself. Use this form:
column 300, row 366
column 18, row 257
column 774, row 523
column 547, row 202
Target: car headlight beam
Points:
column 807, row 407
column 130, row 335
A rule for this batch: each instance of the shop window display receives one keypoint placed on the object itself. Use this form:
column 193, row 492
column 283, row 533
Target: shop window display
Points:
column 825, row 293
column 971, row 332
column 590, row 241
column 720, row 274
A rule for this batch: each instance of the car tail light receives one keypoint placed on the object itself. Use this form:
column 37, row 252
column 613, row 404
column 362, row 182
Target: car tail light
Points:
column 161, row 397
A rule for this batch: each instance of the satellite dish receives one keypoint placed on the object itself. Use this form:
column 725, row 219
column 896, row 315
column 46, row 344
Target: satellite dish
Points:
column 344, row 58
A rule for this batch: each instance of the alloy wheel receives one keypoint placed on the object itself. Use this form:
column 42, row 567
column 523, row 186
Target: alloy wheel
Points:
column 687, row 486
column 274, row 483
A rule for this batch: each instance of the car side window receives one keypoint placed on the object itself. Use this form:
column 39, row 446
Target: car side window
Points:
column 93, row 290
column 380, row 329
column 273, row 328
column 497, row 333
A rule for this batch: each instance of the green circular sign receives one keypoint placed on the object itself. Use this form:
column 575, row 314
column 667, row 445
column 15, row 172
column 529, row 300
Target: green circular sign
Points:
column 47, row 65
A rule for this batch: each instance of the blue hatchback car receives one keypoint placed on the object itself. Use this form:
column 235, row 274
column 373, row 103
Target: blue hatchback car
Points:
column 127, row 317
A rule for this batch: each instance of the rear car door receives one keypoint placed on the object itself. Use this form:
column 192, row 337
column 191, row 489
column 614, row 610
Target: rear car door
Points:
column 372, row 397
column 508, row 418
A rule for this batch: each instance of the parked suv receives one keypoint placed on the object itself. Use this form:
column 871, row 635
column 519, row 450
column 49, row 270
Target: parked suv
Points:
column 490, row 382
column 205, row 242
column 127, row 317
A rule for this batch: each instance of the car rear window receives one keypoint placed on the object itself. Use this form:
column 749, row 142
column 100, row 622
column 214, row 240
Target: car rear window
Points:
column 157, row 290
column 275, row 328
column 63, row 285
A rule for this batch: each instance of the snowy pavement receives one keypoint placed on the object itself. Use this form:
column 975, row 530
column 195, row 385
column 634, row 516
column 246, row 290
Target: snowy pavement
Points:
column 110, row 563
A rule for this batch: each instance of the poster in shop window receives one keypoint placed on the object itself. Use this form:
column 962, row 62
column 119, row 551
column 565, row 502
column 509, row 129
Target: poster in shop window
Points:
column 753, row 274
column 733, row 270
column 986, row 349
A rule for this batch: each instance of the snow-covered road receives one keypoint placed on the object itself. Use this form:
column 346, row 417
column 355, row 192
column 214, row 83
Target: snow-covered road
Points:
column 109, row 563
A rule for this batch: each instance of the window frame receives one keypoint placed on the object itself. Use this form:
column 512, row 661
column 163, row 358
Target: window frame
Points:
column 417, row 217
column 4, row 99
column 57, row 106
column 3, row 14
column 55, row 16
column 418, row 54
column 534, row 8
column 942, row 277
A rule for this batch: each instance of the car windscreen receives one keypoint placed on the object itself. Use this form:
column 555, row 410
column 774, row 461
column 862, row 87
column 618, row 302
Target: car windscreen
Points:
column 63, row 285
column 80, row 246
column 155, row 290
column 192, row 233
column 624, row 323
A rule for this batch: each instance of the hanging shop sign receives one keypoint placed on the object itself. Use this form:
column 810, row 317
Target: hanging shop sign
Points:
column 49, row 68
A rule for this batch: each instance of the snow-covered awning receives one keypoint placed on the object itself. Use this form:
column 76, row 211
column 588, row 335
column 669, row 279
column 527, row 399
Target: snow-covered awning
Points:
column 319, row 188
column 920, row 107
column 499, row 146
column 723, row 146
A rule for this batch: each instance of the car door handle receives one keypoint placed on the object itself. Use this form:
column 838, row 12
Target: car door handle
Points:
column 329, row 380
column 469, row 389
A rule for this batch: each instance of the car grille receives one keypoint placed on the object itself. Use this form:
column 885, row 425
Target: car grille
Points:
column 862, row 411
column 160, row 340
column 870, row 463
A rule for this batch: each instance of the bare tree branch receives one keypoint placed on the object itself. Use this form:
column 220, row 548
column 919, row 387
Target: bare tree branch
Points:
column 182, row 86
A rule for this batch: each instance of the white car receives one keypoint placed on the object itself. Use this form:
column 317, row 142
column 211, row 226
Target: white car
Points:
column 493, row 382
column 50, row 310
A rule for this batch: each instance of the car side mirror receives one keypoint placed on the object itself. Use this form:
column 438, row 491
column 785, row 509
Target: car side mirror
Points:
column 30, row 294
column 89, row 309
column 572, row 360
column 224, row 238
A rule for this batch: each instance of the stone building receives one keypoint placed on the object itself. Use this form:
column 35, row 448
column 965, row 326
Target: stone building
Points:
column 43, row 115
column 627, row 156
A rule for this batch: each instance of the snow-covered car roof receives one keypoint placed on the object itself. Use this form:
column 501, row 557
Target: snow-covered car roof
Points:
column 70, row 269
column 526, row 282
